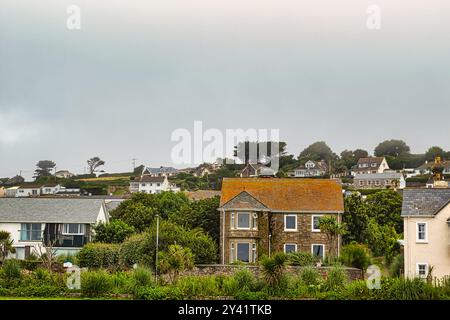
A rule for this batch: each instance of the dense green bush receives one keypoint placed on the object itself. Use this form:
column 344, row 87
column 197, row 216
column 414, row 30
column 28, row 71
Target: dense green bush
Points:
column 10, row 271
column 30, row 264
column 249, row 295
column 201, row 286
column 310, row 276
column 99, row 255
column 142, row 277
column 159, row 293
column 336, row 278
column 95, row 283
column 397, row 265
column 356, row 255
column 301, row 259
column 114, row 232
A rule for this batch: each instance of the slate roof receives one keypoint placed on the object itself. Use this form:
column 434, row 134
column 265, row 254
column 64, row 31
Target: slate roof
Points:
column 160, row 170
column 151, row 179
column 426, row 202
column 296, row 195
column 49, row 210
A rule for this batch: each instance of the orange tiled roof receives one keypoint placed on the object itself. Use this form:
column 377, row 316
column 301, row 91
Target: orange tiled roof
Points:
column 302, row 195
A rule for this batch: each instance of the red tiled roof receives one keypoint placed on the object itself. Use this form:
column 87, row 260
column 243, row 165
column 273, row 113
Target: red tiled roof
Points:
column 302, row 195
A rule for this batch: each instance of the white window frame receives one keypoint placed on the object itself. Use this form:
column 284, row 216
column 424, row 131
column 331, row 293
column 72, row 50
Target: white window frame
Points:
column 296, row 223
column 81, row 229
column 290, row 244
column 249, row 221
column 426, row 232
column 232, row 221
column 426, row 269
column 253, row 251
column 249, row 251
column 232, row 252
column 318, row 244
column 254, row 223
column 312, row 222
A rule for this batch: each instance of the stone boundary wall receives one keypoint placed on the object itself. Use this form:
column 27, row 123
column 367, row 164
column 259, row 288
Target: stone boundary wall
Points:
column 220, row 269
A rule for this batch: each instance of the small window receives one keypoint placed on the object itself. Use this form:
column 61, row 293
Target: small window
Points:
column 143, row 185
column 255, row 221
column 318, row 250
column 243, row 252
column 422, row 270
column 315, row 223
column 243, row 220
column 422, row 232
column 290, row 222
column 158, row 184
column 232, row 252
column 73, row 229
column 290, row 247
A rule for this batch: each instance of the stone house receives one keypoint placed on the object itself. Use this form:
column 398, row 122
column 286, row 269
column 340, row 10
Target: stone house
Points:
column 260, row 216
column 385, row 180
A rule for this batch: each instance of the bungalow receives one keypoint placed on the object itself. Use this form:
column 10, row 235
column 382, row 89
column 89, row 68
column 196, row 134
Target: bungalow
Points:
column 64, row 174
column 311, row 169
column 51, row 189
column 263, row 215
column 255, row 170
column 23, row 191
column 150, row 184
column 385, row 180
column 426, row 223
column 161, row 171
column 66, row 224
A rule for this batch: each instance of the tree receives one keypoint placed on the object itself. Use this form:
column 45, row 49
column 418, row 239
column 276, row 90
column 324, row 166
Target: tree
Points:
column 434, row 152
column 273, row 269
column 360, row 153
column 332, row 228
column 94, row 163
column 392, row 148
column 175, row 260
column 356, row 255
column 242, row 151
column 135, row 214
column 317, row 151
column 350, row 158
column 114, row 232
column 385, row 207
column 6, row 245
column 44, row 168
column 356, row 218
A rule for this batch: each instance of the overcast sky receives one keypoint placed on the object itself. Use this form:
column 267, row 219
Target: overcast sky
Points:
column 139, row 69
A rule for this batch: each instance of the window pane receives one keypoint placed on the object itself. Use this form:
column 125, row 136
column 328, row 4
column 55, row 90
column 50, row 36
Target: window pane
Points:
column 243, row 220
column 318, row 250
column 316, row 223
column 290, row 248
column 73, row 228
column 290, row 222
column 243, row 252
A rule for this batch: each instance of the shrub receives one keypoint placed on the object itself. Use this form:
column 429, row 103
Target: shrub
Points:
column 175, row 260
column 30, row 265
column 397, row 265
column 99, row 255
column 135, row 250
column 11, row 270
column 336, row 278
column 409, row 289
column 245, row 280
column 159, row 293
column 310, row 276
column 248, row 295
column 114, row 232
column 356, row 255
column 273, row 268
column 69, row 257
column 95, row 283
column 357, row 290
column 200, row 286
column 142, row 277
column 301, row 259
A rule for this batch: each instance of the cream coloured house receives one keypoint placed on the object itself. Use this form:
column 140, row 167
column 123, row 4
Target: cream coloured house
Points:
column 426, row 217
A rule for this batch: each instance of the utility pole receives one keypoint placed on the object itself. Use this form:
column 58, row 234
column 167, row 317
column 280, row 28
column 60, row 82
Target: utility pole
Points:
column 157, row 244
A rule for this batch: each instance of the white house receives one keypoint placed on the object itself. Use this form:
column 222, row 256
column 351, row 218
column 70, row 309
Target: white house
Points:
column 311, row 169
column 385, row 180
column 65, row 223
column 426, row 223
column 23, row 191
column 151, row 184
column 370, row 165
column 51, row 189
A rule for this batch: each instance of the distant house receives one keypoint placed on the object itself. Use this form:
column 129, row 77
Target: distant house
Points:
column 63, row 174
column 370, row 165
column 151, row 184
column 15, row 180
column 65, row 223
column 385, row 180
column 2, row 192
column 256, row 170
column 161, row 171
column 426, row 221
column 427, row 167
column 51, row 189
column 259, row 216
column 23, row 191
column 311, row 169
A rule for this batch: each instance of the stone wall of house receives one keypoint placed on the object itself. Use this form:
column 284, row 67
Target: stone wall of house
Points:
column 228, row 270
column 303, row 237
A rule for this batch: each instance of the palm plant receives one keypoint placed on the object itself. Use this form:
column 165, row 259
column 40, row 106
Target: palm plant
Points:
column 6, row 245
column 273, row 268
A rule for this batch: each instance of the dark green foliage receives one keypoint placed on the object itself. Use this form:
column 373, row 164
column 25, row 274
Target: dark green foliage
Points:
column 95, row 283
column 397, row 265
column 142, row 277
column 310, row 276
column 273, row 269
column 301, row 259
column 114, row 232
column 392, row 148
column 356, row 255
column 336, row 278
column 10, row 270
column 99, row 255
